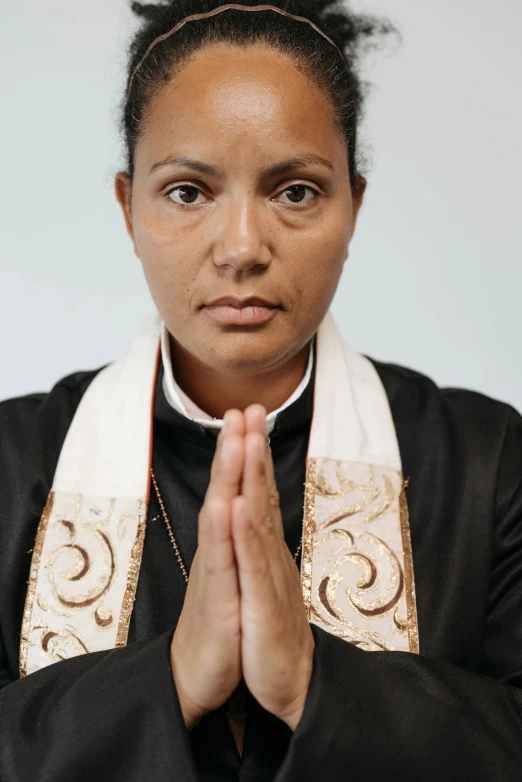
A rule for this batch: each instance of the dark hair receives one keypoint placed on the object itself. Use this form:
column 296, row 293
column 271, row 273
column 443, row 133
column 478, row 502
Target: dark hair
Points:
column 337, row 76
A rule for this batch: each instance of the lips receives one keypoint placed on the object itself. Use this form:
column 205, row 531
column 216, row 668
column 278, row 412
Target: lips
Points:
column 251, row 301
column 241, row 312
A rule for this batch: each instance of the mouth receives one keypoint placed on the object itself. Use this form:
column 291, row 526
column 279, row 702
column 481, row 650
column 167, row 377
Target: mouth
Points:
column 242, row 312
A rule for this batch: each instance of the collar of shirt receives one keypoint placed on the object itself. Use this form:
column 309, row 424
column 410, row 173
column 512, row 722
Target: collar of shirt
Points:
column 177, row 398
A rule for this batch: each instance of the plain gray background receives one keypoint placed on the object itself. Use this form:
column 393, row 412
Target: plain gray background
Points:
column 434, row 279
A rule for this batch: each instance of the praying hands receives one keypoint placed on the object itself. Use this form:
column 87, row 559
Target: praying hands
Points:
column 243, row 614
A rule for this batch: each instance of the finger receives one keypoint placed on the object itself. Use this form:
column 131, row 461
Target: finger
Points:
column 254, row 567
column 254, row 486
column 260, row 489
column 214, row 571
column 255, row 419
column 233, row 424
column 225, row 472
column 226, row 477
column 227, row 468
column 273, row 493
column 219, row 557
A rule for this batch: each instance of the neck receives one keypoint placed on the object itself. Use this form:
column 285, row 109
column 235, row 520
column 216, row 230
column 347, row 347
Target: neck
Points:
column 215, row 391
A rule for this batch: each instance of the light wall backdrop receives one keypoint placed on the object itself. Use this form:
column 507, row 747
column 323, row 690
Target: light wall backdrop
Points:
column 434, row 279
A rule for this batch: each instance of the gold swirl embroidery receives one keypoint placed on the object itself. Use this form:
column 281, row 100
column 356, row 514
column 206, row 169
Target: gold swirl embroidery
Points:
column 326, row 590
column 325, row 489
column 380, row 606
column 55, row 643
column 69, row 526
column 400, row 624
column 83, row 555
column 369, row 578
column 385, row 585
column 82, row 567
column 79, row 601
column 376, row 512
column 44, row 606
column 103, row 619
column 349, row 631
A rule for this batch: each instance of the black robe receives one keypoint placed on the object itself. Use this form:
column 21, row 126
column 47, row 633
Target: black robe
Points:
column 453, row 712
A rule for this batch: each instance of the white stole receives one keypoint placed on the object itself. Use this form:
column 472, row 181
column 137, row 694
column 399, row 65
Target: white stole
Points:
column 356, row 570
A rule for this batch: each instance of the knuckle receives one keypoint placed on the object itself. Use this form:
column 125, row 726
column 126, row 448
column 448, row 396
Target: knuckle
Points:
column 267, row 523
column 274, row 497
column 262, row 567
column 215, row 568
column 211, row 569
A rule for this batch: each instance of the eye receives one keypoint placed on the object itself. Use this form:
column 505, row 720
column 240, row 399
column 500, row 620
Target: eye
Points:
column 187, row 195
column 297, row 194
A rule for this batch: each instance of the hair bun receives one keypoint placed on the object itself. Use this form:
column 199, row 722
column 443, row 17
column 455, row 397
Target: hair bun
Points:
column 145, row 10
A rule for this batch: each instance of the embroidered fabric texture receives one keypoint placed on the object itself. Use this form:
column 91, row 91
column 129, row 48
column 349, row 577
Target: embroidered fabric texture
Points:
column 357, row 568
column 75, row 579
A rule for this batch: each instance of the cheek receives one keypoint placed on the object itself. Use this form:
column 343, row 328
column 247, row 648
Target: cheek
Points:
column 320, row 260
column 169, row 268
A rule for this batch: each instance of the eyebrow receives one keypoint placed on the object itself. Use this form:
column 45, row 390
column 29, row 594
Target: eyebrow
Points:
column 285, row 167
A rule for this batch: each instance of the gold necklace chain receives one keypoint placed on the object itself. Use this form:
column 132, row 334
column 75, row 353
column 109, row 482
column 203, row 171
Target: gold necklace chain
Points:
column 171, row 533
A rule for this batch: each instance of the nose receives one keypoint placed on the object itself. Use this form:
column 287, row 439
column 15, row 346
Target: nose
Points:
column 241, row 241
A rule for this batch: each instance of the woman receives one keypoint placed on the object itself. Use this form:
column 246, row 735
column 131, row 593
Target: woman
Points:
column 394, row 650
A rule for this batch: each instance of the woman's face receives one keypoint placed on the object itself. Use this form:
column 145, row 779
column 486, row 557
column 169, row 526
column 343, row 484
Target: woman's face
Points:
column 241, row 190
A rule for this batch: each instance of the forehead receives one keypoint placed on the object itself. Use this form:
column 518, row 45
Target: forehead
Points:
column 229, row 99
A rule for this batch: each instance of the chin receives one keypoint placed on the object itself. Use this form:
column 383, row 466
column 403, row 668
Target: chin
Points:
column 244, row 352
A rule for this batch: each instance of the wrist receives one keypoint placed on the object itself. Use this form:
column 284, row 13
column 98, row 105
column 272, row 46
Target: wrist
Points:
column 292, row 718
column 293, row 713
column 191, row 715
column 190, row 711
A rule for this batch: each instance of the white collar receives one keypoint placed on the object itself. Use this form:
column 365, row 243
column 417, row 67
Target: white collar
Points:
column 180, row 401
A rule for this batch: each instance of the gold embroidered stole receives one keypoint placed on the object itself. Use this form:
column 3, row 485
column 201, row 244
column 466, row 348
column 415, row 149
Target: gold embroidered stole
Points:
column 356, row 568
column 88, row 549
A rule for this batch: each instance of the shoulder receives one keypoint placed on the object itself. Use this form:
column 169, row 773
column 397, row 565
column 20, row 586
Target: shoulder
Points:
column 33, row 427
column 71, row 385
column 32, row 432
column 411, row 392
column 64, row 397
column 439, row 420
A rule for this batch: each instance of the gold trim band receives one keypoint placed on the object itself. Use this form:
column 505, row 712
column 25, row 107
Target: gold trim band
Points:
column 33, row 576
column 132, row 577
column 308, row 535
column 409, row 580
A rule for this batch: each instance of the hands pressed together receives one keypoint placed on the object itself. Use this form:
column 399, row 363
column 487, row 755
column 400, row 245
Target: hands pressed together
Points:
column 243, row 614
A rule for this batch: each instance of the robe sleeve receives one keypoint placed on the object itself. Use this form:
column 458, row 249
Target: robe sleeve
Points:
column 396, row 715
column 107, row 716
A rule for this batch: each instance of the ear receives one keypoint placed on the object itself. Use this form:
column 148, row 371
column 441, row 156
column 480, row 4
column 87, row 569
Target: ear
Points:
column 123, row 191
column 358, row 198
